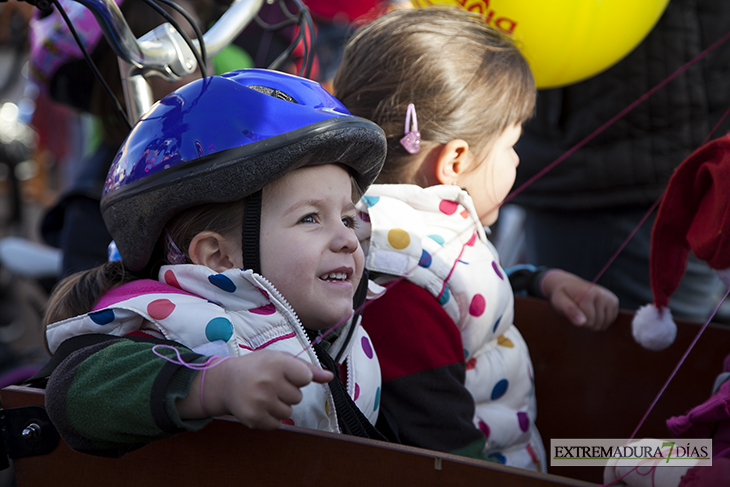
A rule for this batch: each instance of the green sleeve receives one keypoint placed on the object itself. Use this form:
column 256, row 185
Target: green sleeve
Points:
column 118, row 395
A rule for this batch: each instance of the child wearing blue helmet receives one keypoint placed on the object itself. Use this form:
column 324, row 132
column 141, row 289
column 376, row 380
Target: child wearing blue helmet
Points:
column 232, row 206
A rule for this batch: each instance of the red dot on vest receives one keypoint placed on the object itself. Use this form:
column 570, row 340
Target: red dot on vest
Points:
column 160, row 309
column 171, row 279
column 478, row 305
column 448, row 207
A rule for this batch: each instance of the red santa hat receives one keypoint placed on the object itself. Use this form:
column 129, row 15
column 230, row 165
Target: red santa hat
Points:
column 694, row 215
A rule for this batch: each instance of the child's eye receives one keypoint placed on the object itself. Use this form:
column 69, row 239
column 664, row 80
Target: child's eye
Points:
column 311, row 218
column 349, row 221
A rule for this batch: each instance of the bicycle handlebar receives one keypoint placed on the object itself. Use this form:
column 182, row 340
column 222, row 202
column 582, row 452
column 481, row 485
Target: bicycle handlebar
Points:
column 163, row 50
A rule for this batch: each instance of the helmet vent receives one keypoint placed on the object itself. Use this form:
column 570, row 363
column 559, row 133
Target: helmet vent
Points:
column 273, row 92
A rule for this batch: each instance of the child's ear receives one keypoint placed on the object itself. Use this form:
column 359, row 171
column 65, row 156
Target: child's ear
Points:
column 452, row 161
column 215, row 251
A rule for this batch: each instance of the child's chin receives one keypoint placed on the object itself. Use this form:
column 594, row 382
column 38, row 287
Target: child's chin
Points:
column 490, row 219
column 334, row 321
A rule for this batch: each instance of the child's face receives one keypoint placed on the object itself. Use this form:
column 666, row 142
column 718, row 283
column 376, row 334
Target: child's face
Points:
column 490, row 183
column 309, row 250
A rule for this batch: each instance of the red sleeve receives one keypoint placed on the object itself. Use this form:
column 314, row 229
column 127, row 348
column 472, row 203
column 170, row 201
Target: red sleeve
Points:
column 424, row 402
column 411, row 332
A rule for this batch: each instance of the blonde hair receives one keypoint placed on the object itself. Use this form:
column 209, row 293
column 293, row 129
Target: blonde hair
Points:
column 467, row 81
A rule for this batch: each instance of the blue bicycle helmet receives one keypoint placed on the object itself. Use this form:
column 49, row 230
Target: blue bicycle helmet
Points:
column 221, row 139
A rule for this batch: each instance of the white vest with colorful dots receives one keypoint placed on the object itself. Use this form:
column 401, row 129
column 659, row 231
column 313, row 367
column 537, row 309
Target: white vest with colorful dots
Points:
column 232, row 313
column 434, row 238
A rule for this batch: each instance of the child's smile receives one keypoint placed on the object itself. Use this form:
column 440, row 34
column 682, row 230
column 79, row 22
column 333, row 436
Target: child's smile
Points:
column 309, row 250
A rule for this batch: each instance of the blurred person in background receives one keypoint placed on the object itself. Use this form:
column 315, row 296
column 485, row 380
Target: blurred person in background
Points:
column 579, row 213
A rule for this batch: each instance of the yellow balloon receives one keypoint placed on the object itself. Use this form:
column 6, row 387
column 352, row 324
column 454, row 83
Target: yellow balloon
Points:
column 566, row 41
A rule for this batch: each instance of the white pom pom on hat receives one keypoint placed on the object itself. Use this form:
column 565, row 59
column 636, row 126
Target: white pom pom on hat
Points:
column 654, row 328
column 694, row 215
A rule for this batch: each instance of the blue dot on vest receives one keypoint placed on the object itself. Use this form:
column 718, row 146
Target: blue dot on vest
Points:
column 496, row 325
column 497, row 457
column 371, row 200
column 438, row 239
column 103, row 317
column 499, row 389
column 425, row 259
column 218, row 329
column 466, row 353
column 377, row 399
column 445, row 296
column 222, row 282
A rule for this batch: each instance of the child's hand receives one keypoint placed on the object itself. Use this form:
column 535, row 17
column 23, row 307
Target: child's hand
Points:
column 596, row 310
column 259, row 389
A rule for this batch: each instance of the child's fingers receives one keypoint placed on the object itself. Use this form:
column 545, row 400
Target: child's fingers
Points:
column 301, row 373
column 591, row 317
column 607, row 302
column 279, row 411
column 597, row 317
column 298, row 372
column 601, row 308
column 321, row 376
column 565, row 305
column 608, row 316
column 289, row 394
column 266, row 416
column 613, row 314
column 598, row 311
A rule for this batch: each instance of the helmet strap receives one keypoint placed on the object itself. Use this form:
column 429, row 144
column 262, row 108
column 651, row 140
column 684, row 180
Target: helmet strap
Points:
column 251, row 232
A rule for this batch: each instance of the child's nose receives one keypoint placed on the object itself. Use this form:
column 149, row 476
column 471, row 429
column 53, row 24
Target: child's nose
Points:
column 345, row 240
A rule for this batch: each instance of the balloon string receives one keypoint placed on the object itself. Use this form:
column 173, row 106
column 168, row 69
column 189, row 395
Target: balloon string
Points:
column 617, row 117
column 620, row 249
column 453, row 267
column 211, row 362
column 707, row 139
column 681, row 361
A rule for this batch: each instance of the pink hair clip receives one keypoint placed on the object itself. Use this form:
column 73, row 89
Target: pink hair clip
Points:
column 411, row 141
